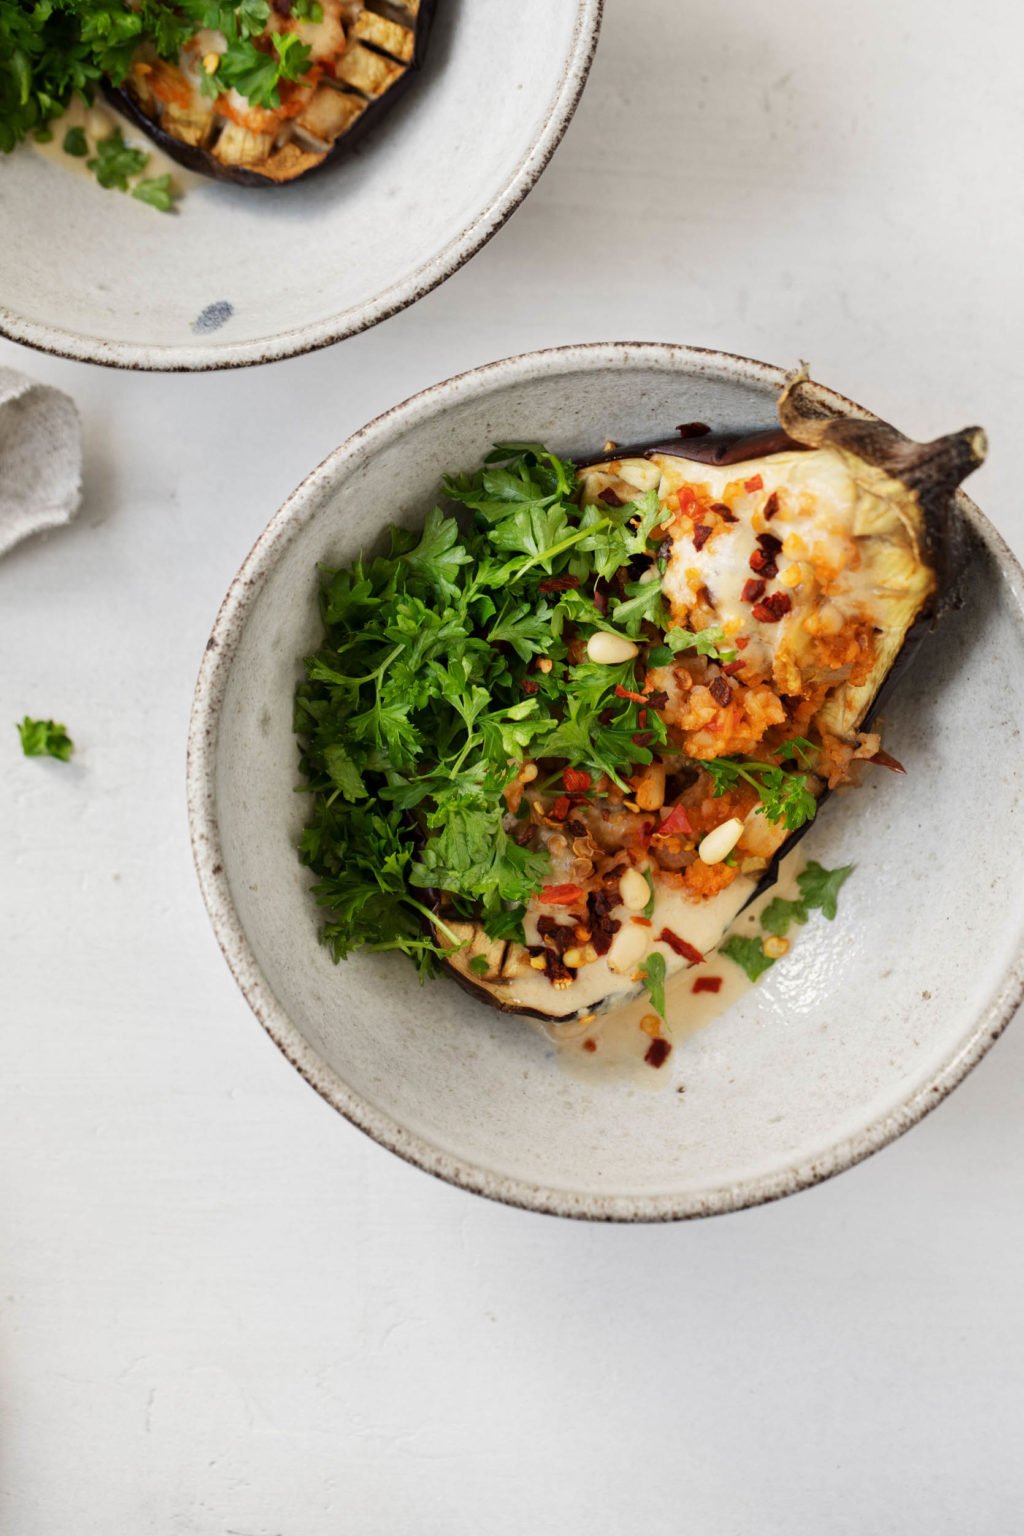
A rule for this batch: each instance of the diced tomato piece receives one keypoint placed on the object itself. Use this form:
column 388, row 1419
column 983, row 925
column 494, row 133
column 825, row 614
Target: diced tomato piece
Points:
column 675, row 822
column 576, row 780
column 561, row 895
column 687, row 499
column 707, row 984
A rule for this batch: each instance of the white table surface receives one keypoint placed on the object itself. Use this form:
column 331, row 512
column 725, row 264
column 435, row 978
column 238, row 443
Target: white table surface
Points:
column 227, row 1313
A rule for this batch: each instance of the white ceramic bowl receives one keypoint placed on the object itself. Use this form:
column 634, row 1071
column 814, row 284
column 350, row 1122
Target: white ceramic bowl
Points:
column 867, row 1024
column 99, row 276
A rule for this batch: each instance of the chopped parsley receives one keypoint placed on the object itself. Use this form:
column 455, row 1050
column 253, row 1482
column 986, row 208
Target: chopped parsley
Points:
column 52, row 50
column 44, row 738
column 424, row 699
column 114, row 163
column 652, row 974
column 819, row 889
column 785, row 797
column 748, row 953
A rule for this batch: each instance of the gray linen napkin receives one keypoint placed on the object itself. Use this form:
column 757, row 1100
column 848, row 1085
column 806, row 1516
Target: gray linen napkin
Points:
column 40, row 458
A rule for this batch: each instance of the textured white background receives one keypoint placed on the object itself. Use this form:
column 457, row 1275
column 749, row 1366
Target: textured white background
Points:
column 225, row 1313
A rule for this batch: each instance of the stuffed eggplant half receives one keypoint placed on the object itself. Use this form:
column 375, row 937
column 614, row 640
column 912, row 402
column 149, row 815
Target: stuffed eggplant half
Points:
column 557, row 741
column 267, row 101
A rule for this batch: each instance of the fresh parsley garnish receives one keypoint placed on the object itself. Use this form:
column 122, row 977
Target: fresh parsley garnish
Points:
column 819, row 890
column 156, row 191
column 652, row 974
column 424, row 699
column 479, row 965
column 114, row 163
column 44, row 738
column 76, row 143
column 785, row 796
column 748, row 954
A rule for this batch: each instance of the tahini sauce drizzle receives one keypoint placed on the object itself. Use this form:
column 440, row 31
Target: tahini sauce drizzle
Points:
column 620, row 1042
column 98, row 122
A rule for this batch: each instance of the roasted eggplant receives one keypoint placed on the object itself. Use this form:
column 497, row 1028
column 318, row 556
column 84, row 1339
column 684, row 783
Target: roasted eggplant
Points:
column 363, row 56
column 822, row 555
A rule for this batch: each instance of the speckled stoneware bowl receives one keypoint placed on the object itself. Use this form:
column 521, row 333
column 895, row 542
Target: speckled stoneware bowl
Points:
column 865, row 1026
column 243, row 276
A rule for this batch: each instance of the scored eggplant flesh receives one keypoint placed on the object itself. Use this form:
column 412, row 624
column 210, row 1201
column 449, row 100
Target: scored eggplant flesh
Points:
column 824, row 561
column 363, row 56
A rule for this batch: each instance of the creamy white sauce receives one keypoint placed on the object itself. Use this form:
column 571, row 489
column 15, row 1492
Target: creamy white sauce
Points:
column 98, row 122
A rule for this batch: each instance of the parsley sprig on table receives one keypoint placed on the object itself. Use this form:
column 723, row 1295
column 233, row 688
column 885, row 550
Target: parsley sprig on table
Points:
column 52, row 49
column 424, row 700
column 44, row 738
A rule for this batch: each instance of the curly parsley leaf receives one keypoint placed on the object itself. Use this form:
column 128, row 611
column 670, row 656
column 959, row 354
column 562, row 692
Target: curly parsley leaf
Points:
column 820, row 887
column 114, row 163
column 44, row 738
column 748, row 954
column 156, row 191
column 652, row 975
column 785, row 797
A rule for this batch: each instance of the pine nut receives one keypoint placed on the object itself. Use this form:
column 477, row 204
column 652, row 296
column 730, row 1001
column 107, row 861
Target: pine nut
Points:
column 719, row 843
column 628, row 947
column 634, row 892
column 609, row 650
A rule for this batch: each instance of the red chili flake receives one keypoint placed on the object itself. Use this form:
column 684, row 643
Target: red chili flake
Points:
column 641, row 716
column 561, row 808
column 590, row 1045
column 675, row 822
column 753, row 591
column 576, row 780
column 555, row 968
column 763, row 560
column 725, row 513
column 561, row 895
column 720, row 691
column 687, row 499
column 884, row 760
column 627, row 693
column 658, row 1053
column 707, row 984
column 641, row 738
column 559, row 584
column 609, row 498
column 693, row 429
column 771, row 506
column 755, row 483
column 733, row 667
column 775, row 606
column 688, row 952
column 642, row 922
column 658, row 699
column 701, row 534
column 742, row 641
column 529, row 686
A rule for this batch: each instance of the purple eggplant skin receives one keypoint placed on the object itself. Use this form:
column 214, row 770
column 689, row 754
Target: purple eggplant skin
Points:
column 203, row 163
column 717, row 448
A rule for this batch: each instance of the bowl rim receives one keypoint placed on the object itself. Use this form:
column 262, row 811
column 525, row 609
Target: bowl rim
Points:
column 460, row 248
column 243, row 593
